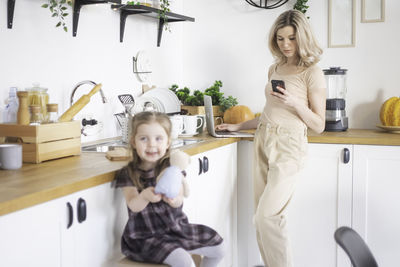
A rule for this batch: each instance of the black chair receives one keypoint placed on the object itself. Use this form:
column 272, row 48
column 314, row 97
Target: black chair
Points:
column 355, row 247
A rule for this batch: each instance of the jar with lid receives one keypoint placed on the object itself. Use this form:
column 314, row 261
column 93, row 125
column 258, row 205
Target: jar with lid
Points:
column 36, row 116
column 52, row 113
column 38, row 96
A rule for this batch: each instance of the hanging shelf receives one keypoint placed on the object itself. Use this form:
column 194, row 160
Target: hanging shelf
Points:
column 126, row 10
column 77, row 9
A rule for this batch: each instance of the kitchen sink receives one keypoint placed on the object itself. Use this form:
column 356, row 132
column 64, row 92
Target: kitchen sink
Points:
column 112, row 145
column 104, row 147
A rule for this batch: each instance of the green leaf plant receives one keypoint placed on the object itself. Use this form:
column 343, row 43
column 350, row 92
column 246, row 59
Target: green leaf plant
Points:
column 197, row 98
column 58, row 8
column 301, row 5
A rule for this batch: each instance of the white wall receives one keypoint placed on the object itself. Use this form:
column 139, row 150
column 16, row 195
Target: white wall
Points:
column 228, row 42
column 35, row 51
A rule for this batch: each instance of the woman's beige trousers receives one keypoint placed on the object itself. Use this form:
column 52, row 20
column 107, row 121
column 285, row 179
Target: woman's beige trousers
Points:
column 279, row 154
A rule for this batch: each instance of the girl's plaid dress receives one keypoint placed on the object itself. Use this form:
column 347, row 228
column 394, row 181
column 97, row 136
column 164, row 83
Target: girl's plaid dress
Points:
column 153, row 233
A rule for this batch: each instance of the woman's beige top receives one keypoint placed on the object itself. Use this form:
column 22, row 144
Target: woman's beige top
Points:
column 299, row 84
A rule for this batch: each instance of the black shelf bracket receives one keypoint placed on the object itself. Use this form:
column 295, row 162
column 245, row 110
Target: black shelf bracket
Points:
column 77, row 9
column 10, row 13
column 126, row 10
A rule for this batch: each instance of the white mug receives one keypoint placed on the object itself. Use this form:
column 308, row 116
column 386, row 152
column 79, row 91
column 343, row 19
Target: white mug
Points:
column 177, row 126
column 192, row 123
column 10, row 156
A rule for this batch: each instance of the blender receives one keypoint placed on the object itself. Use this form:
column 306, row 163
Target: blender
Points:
column 335, row 116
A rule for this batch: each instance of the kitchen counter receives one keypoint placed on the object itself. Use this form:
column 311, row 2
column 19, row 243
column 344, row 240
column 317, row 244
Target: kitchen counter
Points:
column 37, row 183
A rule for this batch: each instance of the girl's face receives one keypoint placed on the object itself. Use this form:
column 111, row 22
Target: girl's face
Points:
column 286, row 40
column 151, row 143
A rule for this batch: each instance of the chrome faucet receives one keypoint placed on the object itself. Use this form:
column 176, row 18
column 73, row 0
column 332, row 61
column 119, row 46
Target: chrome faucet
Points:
column 104, row 99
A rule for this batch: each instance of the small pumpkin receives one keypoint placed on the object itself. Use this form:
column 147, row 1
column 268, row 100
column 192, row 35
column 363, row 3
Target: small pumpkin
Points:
column 390, row 112
column 238, row 114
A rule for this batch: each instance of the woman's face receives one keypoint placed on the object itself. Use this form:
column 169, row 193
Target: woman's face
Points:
column 151, row 143
column 286, row 40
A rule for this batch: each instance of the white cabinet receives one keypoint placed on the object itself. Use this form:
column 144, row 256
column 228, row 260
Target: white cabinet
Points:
column 321, row 203
column 376, row 200
column 362, row 194
column 213, row 199
column 94, row 241
column 31, row 237
column 39, row 237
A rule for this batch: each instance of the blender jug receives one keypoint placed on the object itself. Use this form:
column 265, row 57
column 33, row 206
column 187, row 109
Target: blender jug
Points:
column 335, row 116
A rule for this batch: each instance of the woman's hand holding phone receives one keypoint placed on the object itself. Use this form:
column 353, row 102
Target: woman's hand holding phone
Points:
column 276, row 84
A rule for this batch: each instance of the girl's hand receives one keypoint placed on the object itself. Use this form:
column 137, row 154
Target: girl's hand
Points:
column 286, row 97
column 150, row 195
column 173, row 202
column 227, row 127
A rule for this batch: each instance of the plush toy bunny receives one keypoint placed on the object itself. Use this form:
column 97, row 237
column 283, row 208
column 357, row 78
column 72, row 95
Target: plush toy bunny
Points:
column 170, row 180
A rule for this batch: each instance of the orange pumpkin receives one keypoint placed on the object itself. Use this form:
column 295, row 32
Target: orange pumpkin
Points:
column 237, row 114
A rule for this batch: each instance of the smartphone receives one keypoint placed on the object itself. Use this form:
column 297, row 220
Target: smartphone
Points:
column 276, row 83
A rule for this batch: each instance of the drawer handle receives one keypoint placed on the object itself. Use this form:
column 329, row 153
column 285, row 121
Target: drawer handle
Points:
column 70, row 215
column 346, row 155
column 81, row 207
column 205, row 164
column 200, row 166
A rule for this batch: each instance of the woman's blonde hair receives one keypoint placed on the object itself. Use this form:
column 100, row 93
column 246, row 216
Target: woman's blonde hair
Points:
column 147, row 118
column 307, row 46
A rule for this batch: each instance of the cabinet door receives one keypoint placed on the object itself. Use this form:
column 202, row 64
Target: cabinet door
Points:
column 31, row 237
column 321, row 203
column 214, row 195
column 96, row 240
column 377, row 200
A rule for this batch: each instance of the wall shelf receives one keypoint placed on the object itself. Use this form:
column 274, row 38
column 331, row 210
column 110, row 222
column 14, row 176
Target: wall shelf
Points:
column 126, row 10
column 77, row 9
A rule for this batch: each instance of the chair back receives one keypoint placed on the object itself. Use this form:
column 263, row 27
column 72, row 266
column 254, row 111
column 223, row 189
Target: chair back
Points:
column 355, row 247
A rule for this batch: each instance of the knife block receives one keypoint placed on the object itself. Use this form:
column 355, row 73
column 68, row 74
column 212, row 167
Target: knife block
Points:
column 46, row 141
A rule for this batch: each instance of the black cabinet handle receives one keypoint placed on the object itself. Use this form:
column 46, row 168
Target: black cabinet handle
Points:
column 205, row 164
column 200, row 166
column 346, row 155
column 70, row 215
column 81, row 208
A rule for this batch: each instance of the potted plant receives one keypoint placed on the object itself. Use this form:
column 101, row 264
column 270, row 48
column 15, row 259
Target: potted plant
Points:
column 194, row 103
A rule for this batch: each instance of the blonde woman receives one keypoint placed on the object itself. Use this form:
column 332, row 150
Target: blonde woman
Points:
column 280, row 141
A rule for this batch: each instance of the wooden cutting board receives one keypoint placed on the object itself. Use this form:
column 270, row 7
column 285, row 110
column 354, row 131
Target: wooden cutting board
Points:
column 119, row 154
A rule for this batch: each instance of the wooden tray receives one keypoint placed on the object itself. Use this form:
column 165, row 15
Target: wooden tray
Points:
column 46, row 141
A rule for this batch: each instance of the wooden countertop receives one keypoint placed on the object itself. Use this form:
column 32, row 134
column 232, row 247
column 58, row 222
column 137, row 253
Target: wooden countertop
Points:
column 37, row 183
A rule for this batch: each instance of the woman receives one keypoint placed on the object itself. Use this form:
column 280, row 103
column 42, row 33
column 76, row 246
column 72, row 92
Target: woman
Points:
column 280, row 141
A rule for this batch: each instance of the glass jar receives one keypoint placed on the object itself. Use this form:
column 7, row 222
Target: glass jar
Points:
column 52, row 113
column 38, row 96
column 36, row 117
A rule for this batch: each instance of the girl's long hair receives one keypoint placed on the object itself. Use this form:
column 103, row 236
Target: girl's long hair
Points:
column 147, row 118
column 308, row 50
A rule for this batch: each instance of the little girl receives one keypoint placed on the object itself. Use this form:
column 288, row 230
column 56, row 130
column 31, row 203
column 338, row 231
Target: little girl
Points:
column 157, row 230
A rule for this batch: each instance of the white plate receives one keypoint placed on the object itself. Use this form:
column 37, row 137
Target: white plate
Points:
column 392, row 129
column 142, row 100
column 168, row 99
